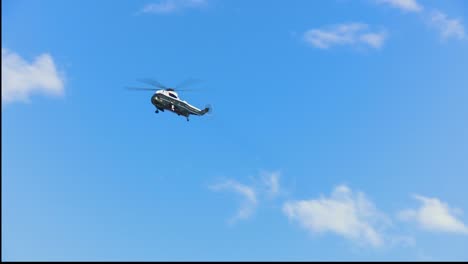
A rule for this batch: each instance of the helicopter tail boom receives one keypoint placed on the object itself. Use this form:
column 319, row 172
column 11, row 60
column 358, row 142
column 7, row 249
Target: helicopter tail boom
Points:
column 207, row 109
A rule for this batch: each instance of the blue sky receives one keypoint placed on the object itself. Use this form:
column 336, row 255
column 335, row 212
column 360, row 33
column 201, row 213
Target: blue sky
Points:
column 338, row 132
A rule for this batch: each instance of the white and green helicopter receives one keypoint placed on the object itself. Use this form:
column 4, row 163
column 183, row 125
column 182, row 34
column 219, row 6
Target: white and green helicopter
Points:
column 166, row 98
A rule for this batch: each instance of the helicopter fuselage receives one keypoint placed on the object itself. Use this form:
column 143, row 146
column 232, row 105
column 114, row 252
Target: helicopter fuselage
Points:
column 169, row 100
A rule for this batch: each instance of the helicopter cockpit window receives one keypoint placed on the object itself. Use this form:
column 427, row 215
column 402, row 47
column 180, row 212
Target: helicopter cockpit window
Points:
column 172, row 95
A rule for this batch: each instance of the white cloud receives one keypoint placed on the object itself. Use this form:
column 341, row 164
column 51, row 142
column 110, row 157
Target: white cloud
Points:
column 345, row 34
column 171, row 6
column 246, row 192
column 345, row 213
column 447, row 28
column 434, row 215
column 405, row 5
column 20, row 78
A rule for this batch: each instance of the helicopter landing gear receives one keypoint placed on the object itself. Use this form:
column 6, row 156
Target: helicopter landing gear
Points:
column 187, row 119
column 157, row 111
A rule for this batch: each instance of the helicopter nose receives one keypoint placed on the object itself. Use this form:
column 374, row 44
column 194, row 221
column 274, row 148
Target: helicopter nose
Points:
column 154, row 99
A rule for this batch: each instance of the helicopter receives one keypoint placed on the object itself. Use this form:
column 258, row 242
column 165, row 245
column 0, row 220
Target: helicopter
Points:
column 166, row 98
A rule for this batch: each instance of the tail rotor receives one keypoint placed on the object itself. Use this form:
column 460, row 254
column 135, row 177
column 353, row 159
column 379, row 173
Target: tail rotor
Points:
column 208, row 109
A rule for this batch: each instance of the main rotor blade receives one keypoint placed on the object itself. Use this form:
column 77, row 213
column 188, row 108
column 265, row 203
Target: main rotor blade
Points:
column 186, row 90
column 142, row 89
column 187, row 82
column 153, row 82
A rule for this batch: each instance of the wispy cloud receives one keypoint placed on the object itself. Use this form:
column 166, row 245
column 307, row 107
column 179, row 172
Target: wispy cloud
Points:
column 171, row 6
column 345, row 213
column 448, row 28
column 405, row 5
column 271, row 181
column 247, row 193
column 266, row 185
column 345, row 34
column 20, row 78
column 434, row 215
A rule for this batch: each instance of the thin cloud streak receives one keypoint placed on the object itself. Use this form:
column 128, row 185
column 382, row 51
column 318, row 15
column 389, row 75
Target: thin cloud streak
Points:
column 172, row 6
column 345, row 34
column 405, row 5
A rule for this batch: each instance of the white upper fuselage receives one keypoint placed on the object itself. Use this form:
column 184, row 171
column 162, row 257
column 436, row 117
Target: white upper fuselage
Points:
column 171, row 94
column 174, row 96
